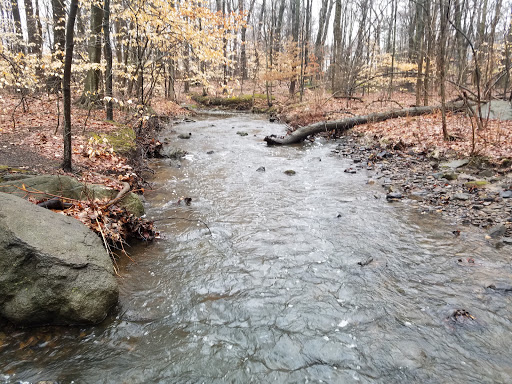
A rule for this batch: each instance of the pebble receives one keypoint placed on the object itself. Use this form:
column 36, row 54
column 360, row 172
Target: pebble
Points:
column 394, row 196
column 506, row 194
column 461, row 196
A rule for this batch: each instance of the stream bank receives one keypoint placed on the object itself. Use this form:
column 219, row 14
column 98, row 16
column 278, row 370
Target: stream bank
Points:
column 467, row 191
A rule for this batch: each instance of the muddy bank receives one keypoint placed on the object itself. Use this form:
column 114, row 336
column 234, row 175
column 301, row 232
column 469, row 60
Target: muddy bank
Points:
column 468, row 191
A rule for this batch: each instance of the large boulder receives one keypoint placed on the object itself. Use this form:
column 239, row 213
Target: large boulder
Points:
column 53, row 269
column 48, row 186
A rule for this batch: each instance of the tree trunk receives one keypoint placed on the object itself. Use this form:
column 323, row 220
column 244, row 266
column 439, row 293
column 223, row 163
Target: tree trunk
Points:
column 243, row 54
column 336, row 47
column 430, row 43
column 443, row 14
column 295, row 7
column 322, row 24
column 66, row 84
column 33, row 41
column 17, row 24
column 344, row 124
column 92, row 82
column 59, row 29
column 108, row 59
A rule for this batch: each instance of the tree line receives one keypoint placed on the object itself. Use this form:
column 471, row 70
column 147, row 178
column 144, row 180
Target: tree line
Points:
column 131, row 50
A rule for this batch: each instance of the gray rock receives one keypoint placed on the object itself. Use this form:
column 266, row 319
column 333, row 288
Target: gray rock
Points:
column 68, row 187
column 418, row 195
column 450, row 176
column 261, row 169
column 184, row 136
column 394, row 196
column 454, row 164
column 53, row 269
column 486, row 173
column 506, row 194
column 384, row 154
column 15, row 176
column 461, row 196
column 241, row 133
column 497, row 231
column 172, row 152
column 507, row 240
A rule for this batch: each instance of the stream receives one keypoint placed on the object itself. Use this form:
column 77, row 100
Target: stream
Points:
column 257, row 280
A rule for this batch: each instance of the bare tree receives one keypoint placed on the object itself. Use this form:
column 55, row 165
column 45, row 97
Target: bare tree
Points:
column 66, row 84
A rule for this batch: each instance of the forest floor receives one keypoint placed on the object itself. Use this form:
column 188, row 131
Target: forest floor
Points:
column 32, row 138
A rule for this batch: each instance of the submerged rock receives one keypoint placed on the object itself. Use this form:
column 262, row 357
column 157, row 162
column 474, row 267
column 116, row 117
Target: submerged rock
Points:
column 501, row 287
column 241, row 133
column 290, row 172
column 172, row 152
column 53, row 269
column 497, row 231
column 261, row 169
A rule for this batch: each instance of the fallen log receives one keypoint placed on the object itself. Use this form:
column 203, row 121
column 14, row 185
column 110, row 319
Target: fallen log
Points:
column 325, row 126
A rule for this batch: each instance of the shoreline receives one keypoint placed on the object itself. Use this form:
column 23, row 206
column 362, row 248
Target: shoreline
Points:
column 465, row 190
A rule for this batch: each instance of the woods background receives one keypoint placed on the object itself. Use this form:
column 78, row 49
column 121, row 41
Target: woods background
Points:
column 258, row 48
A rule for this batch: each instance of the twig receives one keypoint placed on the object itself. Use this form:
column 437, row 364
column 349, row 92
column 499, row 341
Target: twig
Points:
column 107, row 247
column 22, row 101
column 386, row 101
column 37, row 192
column 87, row 118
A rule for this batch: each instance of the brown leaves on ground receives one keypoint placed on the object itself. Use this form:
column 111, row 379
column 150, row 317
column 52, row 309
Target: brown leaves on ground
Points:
column 113, row 224
column 422, row 133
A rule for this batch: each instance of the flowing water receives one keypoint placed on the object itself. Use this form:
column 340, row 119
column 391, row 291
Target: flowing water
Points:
column 258, row 281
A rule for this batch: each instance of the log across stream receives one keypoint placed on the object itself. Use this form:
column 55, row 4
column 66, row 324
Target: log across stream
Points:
column 340, row 125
